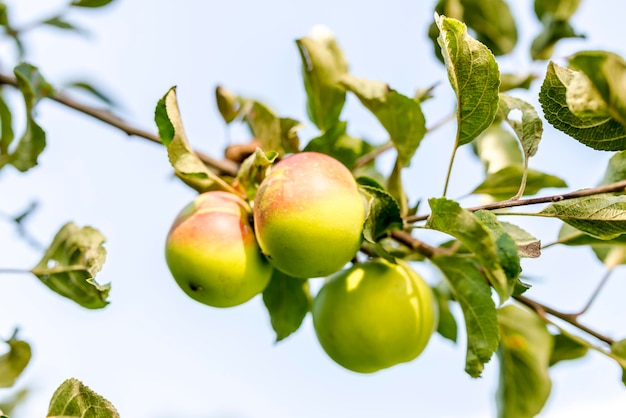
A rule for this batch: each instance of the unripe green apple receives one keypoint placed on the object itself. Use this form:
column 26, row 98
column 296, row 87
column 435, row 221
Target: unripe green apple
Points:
column 374, row 315
column 212, row 253
column 308, row 215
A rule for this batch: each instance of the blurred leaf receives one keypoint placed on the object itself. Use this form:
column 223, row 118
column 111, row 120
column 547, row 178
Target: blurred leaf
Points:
column 602, row 216
column 339, row 145
column 383, row 213
column 69, row 266
column 32, row 143
column 59, row 23
column 618, row 348
column 616, row 169
column 90, row 3
column 228, row 104
column 509, row 81
column 185, row 161
column 497, row 148
column 395, row 187
column 597, row 132
column 323, row 64
column 447, row 216
column 493, row 24
column 610, row 255
column 527, row 245
column 568, row 235
column 524, row 353
column 264, row 125
column 506, row 182
column 13, row 362
column 75, row 400
column 401, row 116
column 8, row 404
column 567, row 347
column 447, row 326
column 506, row 246
column 289, row 140
column 554, row 15
column 607, row 72
column 474, row 76
column 472, row 292
column 93, row 91
column 253, row 171
column 6, row 130
column 287, row 300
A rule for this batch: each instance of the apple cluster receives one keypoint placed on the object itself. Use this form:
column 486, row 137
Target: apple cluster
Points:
column 306, row 221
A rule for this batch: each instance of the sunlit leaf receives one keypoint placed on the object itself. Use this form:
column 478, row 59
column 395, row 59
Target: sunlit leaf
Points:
column 506, row 247
column 289, row 139
column 228, row 104
column 498, row 148
column 339, row 145
column 524, row 354
column 401, row 116
column 264, row 124
column 474, row 76
column 14, row 361
column 287, row 300
column 602, row 216
column 527, row 244
column 529, row 129
column 447, row 216
column 323, row 64
column 253, row 171
column 510, row 81
column 473, row 294
column 75, row 400
column 70, row 264
column 597, row 132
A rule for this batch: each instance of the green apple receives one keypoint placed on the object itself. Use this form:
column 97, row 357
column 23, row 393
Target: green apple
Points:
column 212, row 253
column 308, row 215
column 374, row 315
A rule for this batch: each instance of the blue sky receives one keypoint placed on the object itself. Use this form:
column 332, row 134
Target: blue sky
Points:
column 155, row 353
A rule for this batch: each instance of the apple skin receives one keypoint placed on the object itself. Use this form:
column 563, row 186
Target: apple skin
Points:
column 308, row 215
column 374, row 315
column 212, row 253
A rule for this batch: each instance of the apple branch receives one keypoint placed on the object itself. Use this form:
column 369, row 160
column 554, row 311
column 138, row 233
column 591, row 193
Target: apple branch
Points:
column 222, row 166
column 619, row 186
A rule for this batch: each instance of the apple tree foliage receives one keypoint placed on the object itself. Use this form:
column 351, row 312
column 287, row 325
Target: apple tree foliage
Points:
column 481, row 256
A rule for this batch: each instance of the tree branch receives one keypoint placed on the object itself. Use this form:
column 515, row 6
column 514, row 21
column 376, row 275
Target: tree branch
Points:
column 609, row 188
column 221, row 166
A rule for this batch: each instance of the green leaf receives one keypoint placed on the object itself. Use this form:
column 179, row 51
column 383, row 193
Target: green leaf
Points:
column 524, row 353
column 323, row 64
column 185, row 161
column 90, row 3
column 6, row 130
column 607, row 72
column 602, row 216
column 253, row 171
column 527, row 245
column 12, row 402
column 401, row 116
column 509, row 81
column 473, row 294
column 474, row 76
column 493, row 24
column 75, row 400
column 264, row 125
column 447, row 216
column 446, row 326
column 287, row 300
column 228, row 104
column 69, row 266
column 554, row 15
column 383, row 213
column 597, row 132
column 289, row 139
column 611, row 255
column 506, row 247
column 339, row 145
column 618, row 349
column 13, row 362
column 616, row 169
column 497, row 148
column 93, row 91
column 395, row 187
column 529, row 129
column 505, row 183
column 32, row 143
column 567, row 347
column 59, row 23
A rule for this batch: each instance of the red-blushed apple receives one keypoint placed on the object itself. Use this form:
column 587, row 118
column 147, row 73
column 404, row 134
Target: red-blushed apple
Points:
column 308, row 215
column 374, row 315
column 212, row 253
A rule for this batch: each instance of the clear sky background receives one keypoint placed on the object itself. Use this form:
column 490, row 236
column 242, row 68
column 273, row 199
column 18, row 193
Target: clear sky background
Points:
column 156, row 353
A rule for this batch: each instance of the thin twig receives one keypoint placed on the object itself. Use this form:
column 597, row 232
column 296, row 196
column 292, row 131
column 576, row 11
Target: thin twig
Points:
column 222, row 166
column 595, row 293
column 609, row 188
column 571, row 319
